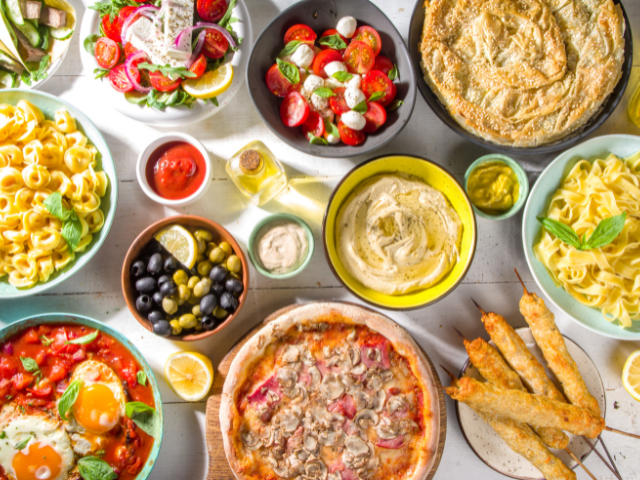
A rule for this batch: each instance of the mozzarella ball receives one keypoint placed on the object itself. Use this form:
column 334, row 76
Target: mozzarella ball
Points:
column 303, row 56
column 287, row 58
column 318, row 103
column 355, row 82
column 333, row 67
column 332, row 139
column 347, row 26
column 332, row 83
column 353, row 120
column 353, row 96
column 311, row 84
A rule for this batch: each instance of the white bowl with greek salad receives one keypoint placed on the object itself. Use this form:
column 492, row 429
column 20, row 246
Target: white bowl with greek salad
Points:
column 167, row 62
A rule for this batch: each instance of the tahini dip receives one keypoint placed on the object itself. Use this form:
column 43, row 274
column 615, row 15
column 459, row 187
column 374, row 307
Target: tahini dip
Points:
column 282, row 246
column 396, row 234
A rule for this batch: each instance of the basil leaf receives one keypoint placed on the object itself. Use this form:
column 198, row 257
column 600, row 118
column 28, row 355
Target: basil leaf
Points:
column 313, row 140
column 393, row 73
column 214, row 100
column 172, row 73
column 564, row 232
column 21, row 445
column 361, row 107
column 376, row 96
column 68, row 398
column 324, row 92
column 29, row 364
column 83, row 340
column 342, row 76
column 72, row 233
column 142, row 378
column 227, row 16
column 290, row 71
column 333, row 41
column 100, row 72
column 143, row 416
column 137, row 98
column 45, row 341
column 394, row 105
column 94, row 468
column 331, row 128
column 606, row 231
column 289, row 48
column 53, row 204
column 89, row 44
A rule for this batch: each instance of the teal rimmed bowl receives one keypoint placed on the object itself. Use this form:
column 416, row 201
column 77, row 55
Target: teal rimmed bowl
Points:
column 254, row 237
column 523, row 180
column 67, row 318
column 49, row 104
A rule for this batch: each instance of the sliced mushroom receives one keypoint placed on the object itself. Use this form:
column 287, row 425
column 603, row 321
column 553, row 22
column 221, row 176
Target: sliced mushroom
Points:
column 326, row 352
column 371, row 353
column 386, row 430
column 407, row 426
column 307, row 358
column 362, row 399
column 272, row 397
column 355, row 446
column 287, row 377
column 291, row 354
column 366, row 418
column 301, row 396
column 359, row 370
column 290, row 423
column 316, row 378
column 331, row 387
column 354, row 355
column 272, row 461
column 296, row 410
column 295, row 464
column 315, row 470
column 266, row 437
column 284, row 472
column 374, row 382
column 397, row 403
column 334, row 476
column 251, row 441
column 310, row 443
column 378, row 400
column 332, row 437
column 387, row 376
column 352, row 335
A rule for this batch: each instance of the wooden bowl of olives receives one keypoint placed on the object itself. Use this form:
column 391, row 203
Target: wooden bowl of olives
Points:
column 185, row 278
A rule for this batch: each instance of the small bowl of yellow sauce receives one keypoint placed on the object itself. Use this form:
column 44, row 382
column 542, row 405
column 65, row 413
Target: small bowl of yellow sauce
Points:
column 497, row 186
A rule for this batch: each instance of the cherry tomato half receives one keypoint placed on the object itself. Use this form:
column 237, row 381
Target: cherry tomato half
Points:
column 107, row 52
column 211, row 10
column 330, row 32
column 129, row 49
column 377, row 81
column 370, row 36
column 350, row 136
column 278, row 84
column 301, row 32
column 375, row 116
column 294, row 110
column 322, row 59
column 199, row 66
column 337, row 102
column 113, row 30
column 359, row 58
column 119, row 80
column 314, row 124
column 215, row 45
column 384, row 64
column 162, row 83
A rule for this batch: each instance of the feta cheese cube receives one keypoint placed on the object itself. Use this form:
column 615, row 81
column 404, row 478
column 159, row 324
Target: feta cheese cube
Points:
column 347, row 26
column 354, row 120
column 333, row 67
column 303, row 56
column 353, row 96
column 178, row 15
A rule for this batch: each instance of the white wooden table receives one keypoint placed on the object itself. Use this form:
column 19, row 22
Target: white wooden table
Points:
column 96, row 291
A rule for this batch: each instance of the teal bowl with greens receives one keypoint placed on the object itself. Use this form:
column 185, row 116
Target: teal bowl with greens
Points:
column 521, row 175
column 19, row 326
column 48, row 104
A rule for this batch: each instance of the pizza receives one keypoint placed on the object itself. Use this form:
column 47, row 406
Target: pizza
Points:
column 330, row 392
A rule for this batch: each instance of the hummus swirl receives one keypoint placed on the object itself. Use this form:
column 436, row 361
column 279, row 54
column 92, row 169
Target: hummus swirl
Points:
column 396, row 234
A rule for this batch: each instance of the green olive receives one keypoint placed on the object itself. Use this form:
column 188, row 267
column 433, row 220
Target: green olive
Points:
column 198, row 327
column 210, row 246
column 201, row 244
column 192, row 282
column 176, row 329
column 216, row 255
column 200, row 257
column 235, row 275
column 183, row 293
column 204, row 268
column 234, row 264
column 226, row 248
column 203, row 234
column 188, row 320
column 180, row 277
column 196, row 311
column 220, row 313
column 202, row 288
column 193, row 300
column 169, row 305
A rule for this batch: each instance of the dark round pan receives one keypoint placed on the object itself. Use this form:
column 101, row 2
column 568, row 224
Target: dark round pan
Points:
column 322, row 15
column 415, row 37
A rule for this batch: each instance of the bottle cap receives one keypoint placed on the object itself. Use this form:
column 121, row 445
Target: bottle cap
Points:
column 250, row 161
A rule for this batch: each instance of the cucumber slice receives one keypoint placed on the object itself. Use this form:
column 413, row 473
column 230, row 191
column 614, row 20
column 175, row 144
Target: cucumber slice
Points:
column 31, row 32
column 13, row 12
column 61, row 33
column 8, row 80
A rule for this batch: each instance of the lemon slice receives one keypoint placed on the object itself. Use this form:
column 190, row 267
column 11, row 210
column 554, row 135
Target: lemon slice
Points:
column 180, row 243
column 211, row 84
column 189, row 374
column 631, row 375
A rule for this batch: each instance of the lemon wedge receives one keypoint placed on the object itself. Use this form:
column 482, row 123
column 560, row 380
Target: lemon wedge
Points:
column 180, row 243
column 189, row 374
column 631, row 375
column 211, row 84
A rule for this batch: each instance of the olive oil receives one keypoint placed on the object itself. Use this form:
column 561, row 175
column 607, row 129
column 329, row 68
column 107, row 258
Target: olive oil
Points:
column 257, row 172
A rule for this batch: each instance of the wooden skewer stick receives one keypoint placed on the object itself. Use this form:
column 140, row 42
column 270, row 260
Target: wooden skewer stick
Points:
column 478, row 307
column 526, row 292
column 580, row 463
column 632, row 435
column 453, row 377
column 606, row 450
column 459, row 333
column 593, row 447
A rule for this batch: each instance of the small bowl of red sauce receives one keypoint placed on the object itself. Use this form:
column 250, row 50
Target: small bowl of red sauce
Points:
column 174, row 170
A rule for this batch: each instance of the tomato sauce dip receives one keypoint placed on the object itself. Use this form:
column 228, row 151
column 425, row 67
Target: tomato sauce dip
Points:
column 125, row 447
column 175, row 170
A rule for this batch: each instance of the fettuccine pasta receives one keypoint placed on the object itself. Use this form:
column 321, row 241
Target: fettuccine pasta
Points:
column 607, row 278
column 38, row 157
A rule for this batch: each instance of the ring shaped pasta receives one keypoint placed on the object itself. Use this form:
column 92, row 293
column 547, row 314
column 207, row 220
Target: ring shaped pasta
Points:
column 39, row 156
column 607, row 278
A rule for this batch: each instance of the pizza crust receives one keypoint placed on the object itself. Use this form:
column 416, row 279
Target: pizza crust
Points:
column 242, row 366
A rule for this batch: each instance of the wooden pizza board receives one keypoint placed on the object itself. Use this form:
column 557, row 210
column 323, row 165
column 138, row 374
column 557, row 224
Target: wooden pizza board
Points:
column 219, row 466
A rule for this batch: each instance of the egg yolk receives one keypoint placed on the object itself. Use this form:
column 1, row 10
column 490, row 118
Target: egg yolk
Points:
column 37, row 462
column 96, row 408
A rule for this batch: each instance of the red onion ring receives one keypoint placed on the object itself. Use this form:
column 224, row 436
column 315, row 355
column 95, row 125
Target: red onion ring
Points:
column 128, row 66
column 213, row 26
column 146, row 10
column 196, row 51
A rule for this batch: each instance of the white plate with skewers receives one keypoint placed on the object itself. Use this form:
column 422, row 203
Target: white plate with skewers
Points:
column 493, row 451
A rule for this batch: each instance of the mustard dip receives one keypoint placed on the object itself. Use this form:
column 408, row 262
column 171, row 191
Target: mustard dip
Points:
column 493, row 187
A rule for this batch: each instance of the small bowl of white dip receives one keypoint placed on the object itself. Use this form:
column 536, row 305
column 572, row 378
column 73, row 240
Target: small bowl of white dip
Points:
column 281, row 246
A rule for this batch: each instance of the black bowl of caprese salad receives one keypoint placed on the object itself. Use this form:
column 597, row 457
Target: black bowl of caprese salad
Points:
column 332, row 78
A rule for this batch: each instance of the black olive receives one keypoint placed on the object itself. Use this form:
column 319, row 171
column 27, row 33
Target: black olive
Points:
column 168, row 288
column 217, row 289
column 156, row 316
column 228, row 302
column 138, row 268
column 155, row 264
column 164, row 278
column 234, row 286
column 218, row 274
column 146, row 285
column 171, row 264
column 162, row 328
column 143, row 303
column 157, row 297
column 208, row 303
column 208, row 322
column 153, row 247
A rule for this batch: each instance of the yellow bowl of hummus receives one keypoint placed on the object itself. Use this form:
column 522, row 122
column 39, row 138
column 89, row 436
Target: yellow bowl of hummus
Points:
column 399, row 232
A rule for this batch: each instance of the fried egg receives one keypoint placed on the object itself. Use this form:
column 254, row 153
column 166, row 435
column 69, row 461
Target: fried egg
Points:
column 33, row 446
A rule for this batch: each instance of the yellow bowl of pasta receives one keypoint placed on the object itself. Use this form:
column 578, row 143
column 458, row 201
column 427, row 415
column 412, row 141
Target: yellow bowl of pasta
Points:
column 590, row 265
column 58, row 191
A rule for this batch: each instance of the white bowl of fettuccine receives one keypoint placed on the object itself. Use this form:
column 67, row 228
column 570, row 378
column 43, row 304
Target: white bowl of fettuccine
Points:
column 596, row 287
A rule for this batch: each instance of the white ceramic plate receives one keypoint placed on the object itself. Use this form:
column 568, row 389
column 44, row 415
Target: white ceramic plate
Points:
column 172, row 116
column 492, row 450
